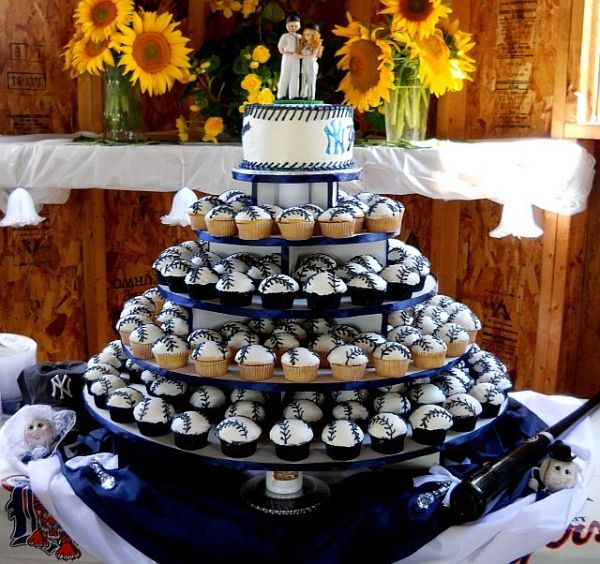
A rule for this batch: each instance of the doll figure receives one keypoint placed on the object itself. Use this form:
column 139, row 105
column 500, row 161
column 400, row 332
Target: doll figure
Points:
column 311, row 49
column 39, row 432
column 289, row 47
column 557, row 471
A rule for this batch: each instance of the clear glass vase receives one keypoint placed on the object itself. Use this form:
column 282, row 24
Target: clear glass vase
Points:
column 122, row 110
column 407, row 111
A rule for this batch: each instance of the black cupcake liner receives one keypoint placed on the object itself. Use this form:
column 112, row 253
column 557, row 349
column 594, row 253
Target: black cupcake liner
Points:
column 280, row 300
column 235, row 299
column 366, row 296
column 462, row 424
column 330, row 301
column 430, row 437
column 121, row 414
column 343, row 453
column 160, row 278
column 154, row 429
column 202, row 291
column 293, row 453
column 177, row 284
column 489, row 410
column 399, row 291
column 100, row 401
column 238, row 450
column 388, row 446
column 190, row 442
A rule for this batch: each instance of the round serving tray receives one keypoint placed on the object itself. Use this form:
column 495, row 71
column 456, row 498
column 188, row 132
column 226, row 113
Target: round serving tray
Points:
column 295, row 177
column 265, row 457
column 278, row 383
column 278, row 241
column 300, row 309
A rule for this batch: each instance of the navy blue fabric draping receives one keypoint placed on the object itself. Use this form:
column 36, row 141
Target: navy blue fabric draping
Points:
column 180, row 511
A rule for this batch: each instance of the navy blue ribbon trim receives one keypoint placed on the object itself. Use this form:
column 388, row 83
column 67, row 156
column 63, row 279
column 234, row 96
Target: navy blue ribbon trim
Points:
column 286, row 178
column 281, row 242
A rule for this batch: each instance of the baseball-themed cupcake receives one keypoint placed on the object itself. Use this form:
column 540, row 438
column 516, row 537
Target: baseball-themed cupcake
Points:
column 404, row 334
column 175, row 273
column 312, row 395
column 234, row 263
column 385, row 215
column 293, row 327
column 357, row 213
column 172, row 311
column 368, row 261
column 341, row 396
column 367, row 289
column 278, row 291
column 241, row 339
column 240, row 202
column 210, row 401
column 280, row 342
column 401, row 280
column 231, row 194
column 425, row 393
column 176, row 326
column 173, row 391
column 368, row 342
column 235, row 289
column 324, row 291
column 190, row 430
column 498, row 378
column 261, row 270
column 318, row 326
column 291, row 438
column 220, row 221
column 318, row 260
column 262, row 327
column 387, row 432
column 300, row 365
column 428, row 352
column 401, row 317
column 349, row 270
column 490, row 397
column 238, row 436
column 153, row 416
column 392, row 402
column 455, row 336
column 205, row 258
column 211, row 359
column 323, row 345
column 352, row 411
column 253, row 223
column 343, row 439
column 198, row 210
column 203, row 335
column 467, row 319
column 125, row 325
column 243, row 394
column 95, row 371
column 391, row 359
column 305, row 410
column 337, row 223
column 120, row 404
column 246, row 408
column 347, row 362
column 171, row 351
column 101, row 388
column 255, row 362
column 296, row 224
column 465, row 410
column 273, row 211
column 201, row 283
column 345, row 332
column 430, row 424
column 231, row 327
column 147, row 377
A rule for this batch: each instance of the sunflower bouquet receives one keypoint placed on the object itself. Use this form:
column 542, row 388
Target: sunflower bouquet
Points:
column 145, row 48
column 393, row 64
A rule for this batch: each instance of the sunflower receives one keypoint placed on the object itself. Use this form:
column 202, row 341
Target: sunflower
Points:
column 459, row 43
column 92, row 56
column 417, row 17
column 154, row 52
column 369, row 63
column 68, row 53
column 435, row 69
column 99, row 19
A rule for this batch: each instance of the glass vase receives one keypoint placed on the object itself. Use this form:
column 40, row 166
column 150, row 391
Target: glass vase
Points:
column 407, row 111
column 122, row 110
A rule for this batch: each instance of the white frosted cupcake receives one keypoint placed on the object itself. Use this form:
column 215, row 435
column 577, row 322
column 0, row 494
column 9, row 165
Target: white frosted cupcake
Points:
column 387, row 432
column 176, row 326
column 401, row 317
column 101, row 388
column 95, row 371
column 455, row 336
column 425, row 393
column 368, row 261
column 210, row 401
column 345, row 332
column 202, row 335
column 220, row 221
column 368, row 342
column 291, row 438
column 324, row 291
column 125, row 325
column 296, row 224
column 153, row 416
column 367, row 289
column 173, row 391
column 343, row 439
column 255, row 362
column 428, row 352
column 347, row 362
column 341, row 396
column 238, row 436
column 401, row 280
column 391, row 359
column 465, row 410
column 280, row 342
column 337, row 223
column 246, row 408
column 385, row 215
column 467, row 319
column 211, row 359
column 352, row 411
column 300, row 365
column 323, row 345
column 253, row 223
column 278, row 291
column 235, row 289
column 201, row 283
column 198, row 210
column 318, row 326
column 490, row 396
column 190, row 430
column 405, row 335
column 262, row 327
column 392, row 402
column 306, row 410
column 498, row 378
column 239, row 394
column 261, row 270
column 171, row 351
column 321, row 261
column 172, row 311
column 430, row 424
column 120, row 404
column 231, row 327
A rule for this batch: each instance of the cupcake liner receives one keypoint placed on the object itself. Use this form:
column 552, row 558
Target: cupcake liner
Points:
column 343, row 453
column 429, row 360
column 153, row 429
column 197, row 221
column 279, row 300
column 100, row 401
column 211, row 368
column 384, row 224
column 256, row 372
column 390, row 368
column 456, row 349
column 221, row 228
column 430, row 437
column 293, row 453
column 235, row 299
column 172, row 360
column 329, row 301
column 489, row 410
column 358, row 224
column 388, row 446
column 347, row 373
column 202, row 291
column 238, row 450
column 190, row 442
column 323, row 356
column 121, row 414
column 177, row 284
column 366, row 296
column 254, row 230
column 300, row 373
column 472, row 336
column 462, row 424
column 298, row 231
column 125, row 337
column 141, row 350
column 337, row 229
column 399, row 291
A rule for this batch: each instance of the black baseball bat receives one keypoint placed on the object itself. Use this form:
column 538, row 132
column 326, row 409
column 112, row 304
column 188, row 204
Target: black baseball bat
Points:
column 470, row 499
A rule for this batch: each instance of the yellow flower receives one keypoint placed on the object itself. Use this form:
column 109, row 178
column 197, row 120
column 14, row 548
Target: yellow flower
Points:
column 226, row 6
column 369, row 63
column 182, row 129
column 261, row 54
column 435, row 70
column 154, row 51
column 91, row 56
column 251, row 82
column 265, row 96
column 254, row 65
column 417, row 17
column 459, row 43
column 99, row 19
column 194, row 108
column 205, row 65
column 242, row 107
column 213, row 128
column 68, row 53
column 249, row 7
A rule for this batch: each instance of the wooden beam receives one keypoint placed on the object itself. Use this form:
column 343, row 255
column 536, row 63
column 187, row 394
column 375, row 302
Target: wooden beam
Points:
column 89, row 103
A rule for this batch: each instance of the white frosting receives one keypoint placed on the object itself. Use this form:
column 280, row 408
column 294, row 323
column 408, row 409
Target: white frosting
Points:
column 400, row 274
column 336, row 215
column 368, row 342
column 426, row 393
column 170, row 344
column 387, row 426
column 261, row 326
column 231, row 327
column 202, row 335
column 249, row 395
column 391, row 402
column 263, row 270
column 253, row 213
column 105, row 357
column 271, row 134
column 391, row 350
column 130, row 322
column 124, row 398
column 190, row 423
column 404, row 334
column 209, row 350
column 441, row 300
column 367, row 197
column 427, row 325
column 205, row 258
column 400, row 388
column 463, row 405
column 147, row 333
column 431, row 418
column 354, row 209
column 325, row 283
column 235, row 282
column 250, row 409
column 351, row 410
column 142, row 300
column 136, row 309
column 175, row 326
column 317, row 397
column 229, row 194
column 295, row 215
column 428, row 344
column 201, row 275
column 206, row 397
column 421, row 263
column 498, row 378
column 305, row 272
column 232, row 264
column 347, row 355
column 450, row 384
column 178, row 268
column 313, row 209
column 153, row 410
column 324, row 343
column 147, row 376
column 113, row 350
column 342, row 433
column 344, row 332
column 340, row 396
column 300, row 356
column 318, row 326
column 368, row 280
column 350, row 269
column 281, row 340
column 467, row 319
column 319, row 260
column 368, row 261
column 238, row 429
column 291, row 432
column 221, row 213
column 243, row 338
column 486, row 392
column 278, row 283
column 168, row 388
column 254, row 355
column 385, row 207
column 203, row 205
column 304, row 409
column 452, row 333
column 273, row 211
column 172, row 312
column 438, row 313
column 291, row 327
column 105, row 384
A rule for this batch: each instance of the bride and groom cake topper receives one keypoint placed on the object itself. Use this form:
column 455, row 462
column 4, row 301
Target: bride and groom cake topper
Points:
column 299, row 54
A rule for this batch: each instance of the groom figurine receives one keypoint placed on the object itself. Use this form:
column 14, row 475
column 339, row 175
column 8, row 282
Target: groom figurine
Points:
column 289, row 47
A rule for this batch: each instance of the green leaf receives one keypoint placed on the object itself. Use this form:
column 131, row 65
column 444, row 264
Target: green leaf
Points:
column 273, row 12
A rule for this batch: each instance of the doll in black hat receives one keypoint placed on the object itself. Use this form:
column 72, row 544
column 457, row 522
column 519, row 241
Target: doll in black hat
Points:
column 558, row 471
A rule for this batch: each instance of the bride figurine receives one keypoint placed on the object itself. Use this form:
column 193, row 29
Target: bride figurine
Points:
column 311, row 49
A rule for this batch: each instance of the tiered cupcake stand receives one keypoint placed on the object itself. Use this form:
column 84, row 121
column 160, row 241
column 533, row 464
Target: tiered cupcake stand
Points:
column 283, row 490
